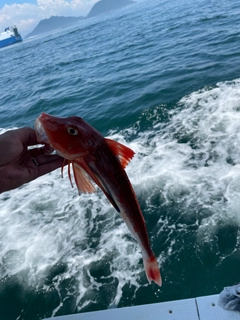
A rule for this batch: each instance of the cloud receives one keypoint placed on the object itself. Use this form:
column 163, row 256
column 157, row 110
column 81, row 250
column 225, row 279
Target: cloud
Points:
column 27, row 15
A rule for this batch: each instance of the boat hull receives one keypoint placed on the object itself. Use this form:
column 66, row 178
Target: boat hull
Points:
column 9, row 41
column 201, row 308
column 9, row 36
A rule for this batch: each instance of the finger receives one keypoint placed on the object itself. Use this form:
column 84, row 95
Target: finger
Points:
column 49, row 166
column 36, row 152
column 27, row 136
column 45, row 150
column 45, row 159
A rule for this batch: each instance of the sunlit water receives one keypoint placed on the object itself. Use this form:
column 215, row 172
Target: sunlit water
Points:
column 162, row 78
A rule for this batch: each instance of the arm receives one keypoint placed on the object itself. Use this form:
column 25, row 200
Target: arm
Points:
column 18, row 164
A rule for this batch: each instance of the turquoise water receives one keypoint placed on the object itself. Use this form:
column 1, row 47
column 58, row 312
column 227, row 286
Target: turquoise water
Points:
column 162, row 77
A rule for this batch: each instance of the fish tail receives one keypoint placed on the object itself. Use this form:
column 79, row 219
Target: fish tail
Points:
column 152, row 270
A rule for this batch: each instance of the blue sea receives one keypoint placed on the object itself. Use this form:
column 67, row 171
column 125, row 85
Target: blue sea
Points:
column 163, row 78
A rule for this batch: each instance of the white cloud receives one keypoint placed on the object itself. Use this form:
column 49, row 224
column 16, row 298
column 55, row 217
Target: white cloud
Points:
column 26, row 16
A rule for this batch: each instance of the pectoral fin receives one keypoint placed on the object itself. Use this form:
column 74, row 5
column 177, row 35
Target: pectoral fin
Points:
column 82, row 179
column 93, row 173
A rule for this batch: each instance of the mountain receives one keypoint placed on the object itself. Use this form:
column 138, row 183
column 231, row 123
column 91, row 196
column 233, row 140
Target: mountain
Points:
column 53, row 23
column 107, row 5
column 56, row 22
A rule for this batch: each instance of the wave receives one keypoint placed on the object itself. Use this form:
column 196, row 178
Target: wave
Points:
column 187, row 178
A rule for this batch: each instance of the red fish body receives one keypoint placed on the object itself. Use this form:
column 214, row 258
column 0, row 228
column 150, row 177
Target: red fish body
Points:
column 102, row 160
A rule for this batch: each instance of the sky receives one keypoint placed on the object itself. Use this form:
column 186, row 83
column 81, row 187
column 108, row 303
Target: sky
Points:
column 26, row 14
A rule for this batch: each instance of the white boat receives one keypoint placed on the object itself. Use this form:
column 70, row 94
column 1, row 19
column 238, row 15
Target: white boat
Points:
column 202, row 308
column 9, row 36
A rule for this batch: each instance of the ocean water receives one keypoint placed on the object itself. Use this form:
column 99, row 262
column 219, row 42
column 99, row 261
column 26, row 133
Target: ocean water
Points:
column 162, row 77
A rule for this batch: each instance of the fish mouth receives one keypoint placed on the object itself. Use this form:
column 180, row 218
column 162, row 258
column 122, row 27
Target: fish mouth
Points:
column 40, row 132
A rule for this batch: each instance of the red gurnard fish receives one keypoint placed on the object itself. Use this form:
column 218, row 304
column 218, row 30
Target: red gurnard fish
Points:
column 103, row 160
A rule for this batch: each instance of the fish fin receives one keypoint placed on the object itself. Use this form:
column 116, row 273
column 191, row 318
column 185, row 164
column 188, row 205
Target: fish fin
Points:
column 69, row 173
column 95, row 177
column 152, row 270
column 123, row 153
column 110, row 199
column 83, row 183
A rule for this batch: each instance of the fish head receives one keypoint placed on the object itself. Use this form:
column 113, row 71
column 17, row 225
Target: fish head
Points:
column 71, row 137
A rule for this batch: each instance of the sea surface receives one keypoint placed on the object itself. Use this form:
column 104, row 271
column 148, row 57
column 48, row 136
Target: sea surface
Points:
column 163, row 78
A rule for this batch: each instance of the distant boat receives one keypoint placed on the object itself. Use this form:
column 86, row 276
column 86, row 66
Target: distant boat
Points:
column 9, row 36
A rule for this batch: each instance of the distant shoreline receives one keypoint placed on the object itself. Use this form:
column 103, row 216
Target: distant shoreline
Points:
column 55, row 22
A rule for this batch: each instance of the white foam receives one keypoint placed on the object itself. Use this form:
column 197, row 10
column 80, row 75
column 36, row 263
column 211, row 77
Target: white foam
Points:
column 193, row 161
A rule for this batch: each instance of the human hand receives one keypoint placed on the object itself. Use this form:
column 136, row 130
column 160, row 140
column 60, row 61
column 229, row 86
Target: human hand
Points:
column 18, row 164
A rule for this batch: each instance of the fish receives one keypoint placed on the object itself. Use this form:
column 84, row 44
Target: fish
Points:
column 94, row 158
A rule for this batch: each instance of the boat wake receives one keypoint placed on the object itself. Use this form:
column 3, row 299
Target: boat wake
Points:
column 77, row 253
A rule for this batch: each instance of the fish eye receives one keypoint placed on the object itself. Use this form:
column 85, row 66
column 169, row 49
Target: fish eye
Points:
column 72, row 131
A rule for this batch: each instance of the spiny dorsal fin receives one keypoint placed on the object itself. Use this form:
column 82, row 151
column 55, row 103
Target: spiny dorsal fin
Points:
column 123, row 153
